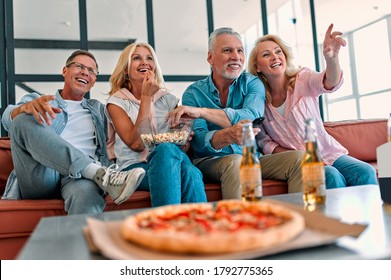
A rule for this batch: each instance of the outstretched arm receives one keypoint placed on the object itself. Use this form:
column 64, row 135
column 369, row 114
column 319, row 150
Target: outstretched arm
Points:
column 331, row 45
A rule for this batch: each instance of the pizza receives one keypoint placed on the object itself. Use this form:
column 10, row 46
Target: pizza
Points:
column 206, row 228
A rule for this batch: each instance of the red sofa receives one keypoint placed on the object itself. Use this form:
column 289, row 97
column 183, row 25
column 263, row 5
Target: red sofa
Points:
column 18, row 218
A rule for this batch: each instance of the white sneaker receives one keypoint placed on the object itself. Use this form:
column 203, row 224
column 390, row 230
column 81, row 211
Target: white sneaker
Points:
column 120, row 185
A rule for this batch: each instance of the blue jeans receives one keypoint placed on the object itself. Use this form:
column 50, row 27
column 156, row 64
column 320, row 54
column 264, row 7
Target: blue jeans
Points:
column 349, row 171
column 47, row 167
column 171, row 177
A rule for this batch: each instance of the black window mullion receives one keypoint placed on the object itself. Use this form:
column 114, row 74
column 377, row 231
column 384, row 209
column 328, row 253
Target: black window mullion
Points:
column 316, row 49
column 265, row 26
column 150, row 24
column 9, row 53
column 3, row 79
column 83, row 25
column 209, row 12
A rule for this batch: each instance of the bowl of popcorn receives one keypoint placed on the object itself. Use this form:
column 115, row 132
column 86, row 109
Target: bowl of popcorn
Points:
column 159, row 130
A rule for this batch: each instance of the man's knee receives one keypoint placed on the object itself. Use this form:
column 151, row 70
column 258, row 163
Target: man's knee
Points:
column 230, row 183
column 219, row 168
column 232, row 162
column 295, row 157
column 16, row 124
column 23, row 126
column 23, row 120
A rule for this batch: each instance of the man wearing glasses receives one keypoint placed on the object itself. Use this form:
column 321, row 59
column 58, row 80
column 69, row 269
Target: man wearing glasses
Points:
column 58, row 145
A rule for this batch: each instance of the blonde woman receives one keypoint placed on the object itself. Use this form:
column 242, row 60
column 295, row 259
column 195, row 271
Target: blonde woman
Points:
column 137, row 93
column 292, row 96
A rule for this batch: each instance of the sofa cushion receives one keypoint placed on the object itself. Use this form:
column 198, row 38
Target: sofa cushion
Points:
column 18, row 218
column 21, row 216
column 359, row 137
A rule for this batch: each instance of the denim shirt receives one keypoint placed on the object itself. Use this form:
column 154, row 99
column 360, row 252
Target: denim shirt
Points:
column 96, row 109
column 246, row 100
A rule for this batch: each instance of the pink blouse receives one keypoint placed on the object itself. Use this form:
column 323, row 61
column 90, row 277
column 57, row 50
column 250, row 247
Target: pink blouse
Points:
column 302, row 103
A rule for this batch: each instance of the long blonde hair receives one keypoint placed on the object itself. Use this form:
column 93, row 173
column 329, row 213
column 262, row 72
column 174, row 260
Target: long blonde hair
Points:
column 291, row 69
column 118, row 79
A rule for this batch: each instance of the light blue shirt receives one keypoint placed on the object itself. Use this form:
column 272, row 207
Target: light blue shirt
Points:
column 246, row 100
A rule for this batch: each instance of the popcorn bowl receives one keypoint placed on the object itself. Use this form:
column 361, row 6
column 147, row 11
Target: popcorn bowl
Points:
column 156, row 131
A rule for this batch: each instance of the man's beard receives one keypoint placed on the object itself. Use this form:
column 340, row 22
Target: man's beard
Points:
column 231, row 75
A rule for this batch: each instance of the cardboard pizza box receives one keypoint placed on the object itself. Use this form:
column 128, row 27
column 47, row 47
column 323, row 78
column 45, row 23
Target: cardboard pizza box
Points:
column 104, row 238
column 316, row 220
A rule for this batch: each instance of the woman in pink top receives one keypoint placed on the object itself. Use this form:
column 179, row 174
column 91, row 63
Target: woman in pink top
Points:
column 292, row 96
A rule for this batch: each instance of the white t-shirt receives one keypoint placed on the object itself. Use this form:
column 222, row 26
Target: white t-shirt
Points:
column 162, row 106
column 80, row 129
column 281, row 109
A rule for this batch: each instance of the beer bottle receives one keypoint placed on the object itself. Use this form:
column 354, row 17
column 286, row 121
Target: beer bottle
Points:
column 250, row 168
column 314, row 186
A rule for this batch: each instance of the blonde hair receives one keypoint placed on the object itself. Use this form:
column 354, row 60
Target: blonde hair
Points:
column 117, row 78
column 291, row 69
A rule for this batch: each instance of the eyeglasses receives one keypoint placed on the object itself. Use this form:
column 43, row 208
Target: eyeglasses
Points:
column 81, row 67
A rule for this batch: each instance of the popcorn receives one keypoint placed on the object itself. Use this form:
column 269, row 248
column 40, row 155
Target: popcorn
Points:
column 147, row 139
column 175, row 137
column 162, row 132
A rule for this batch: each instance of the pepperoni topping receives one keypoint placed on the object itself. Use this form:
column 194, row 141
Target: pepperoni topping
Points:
column 223, row 219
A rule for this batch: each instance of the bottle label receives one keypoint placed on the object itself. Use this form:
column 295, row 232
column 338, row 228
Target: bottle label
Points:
column 251, row 182
column 314, row 179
